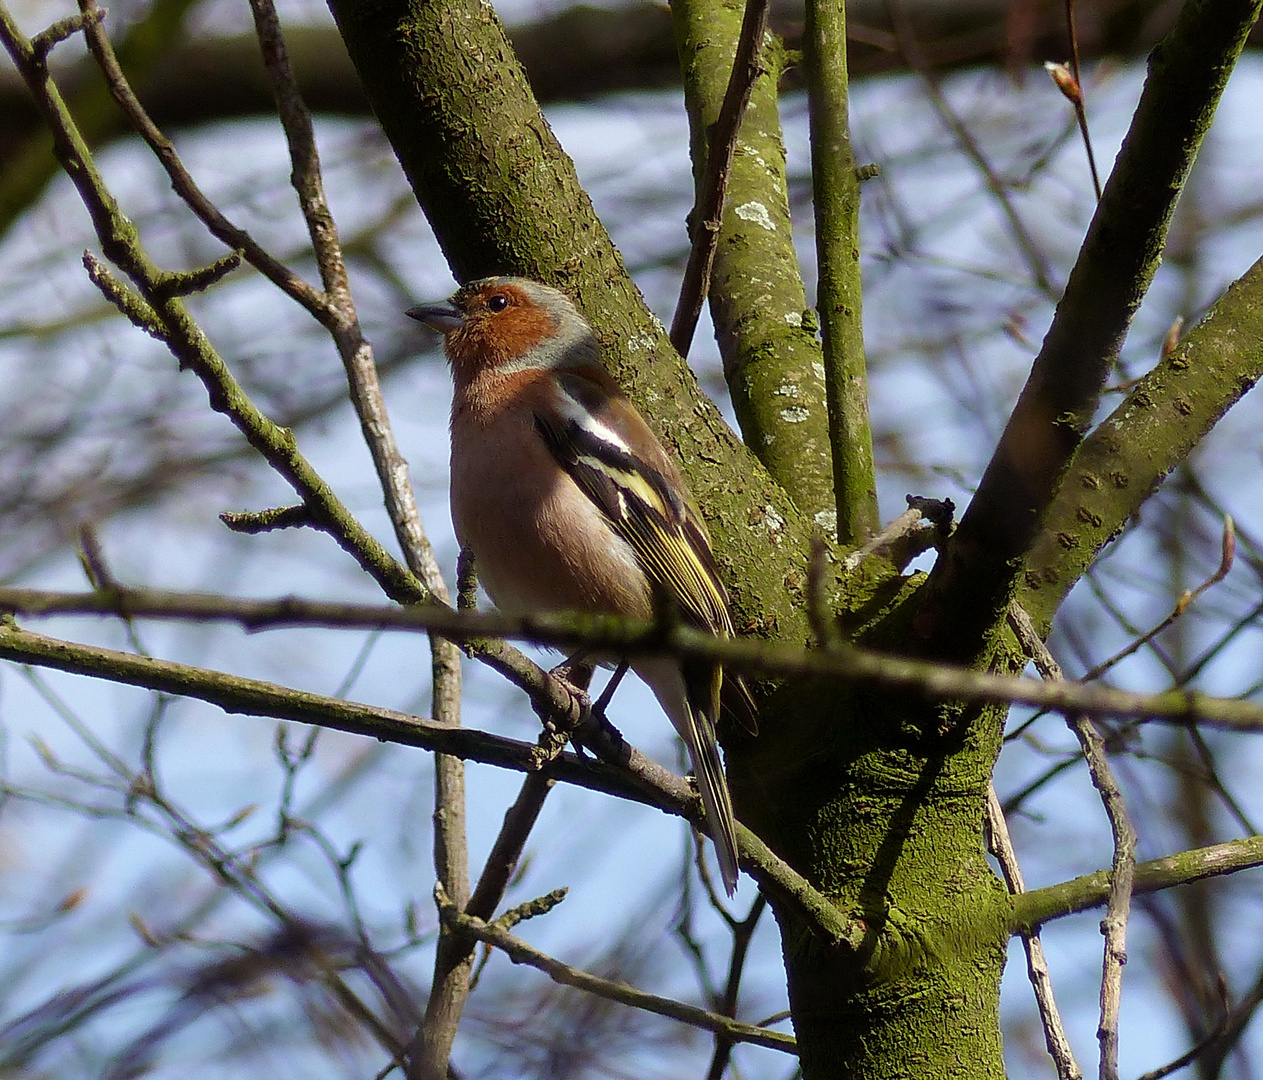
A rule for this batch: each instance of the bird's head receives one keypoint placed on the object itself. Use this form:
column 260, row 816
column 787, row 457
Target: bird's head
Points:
column 509, row 324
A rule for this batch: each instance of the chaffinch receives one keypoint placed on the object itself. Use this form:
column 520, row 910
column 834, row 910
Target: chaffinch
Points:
column 569, row 503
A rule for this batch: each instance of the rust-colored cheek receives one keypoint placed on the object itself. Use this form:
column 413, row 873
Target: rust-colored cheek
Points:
column 489, row 341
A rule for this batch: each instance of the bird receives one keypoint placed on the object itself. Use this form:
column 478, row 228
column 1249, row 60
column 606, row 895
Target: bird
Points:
column 568, row 502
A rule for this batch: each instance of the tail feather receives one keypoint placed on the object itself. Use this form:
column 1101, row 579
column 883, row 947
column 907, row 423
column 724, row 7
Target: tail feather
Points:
column 738, row 704
column 691, row 701
column 699, row 737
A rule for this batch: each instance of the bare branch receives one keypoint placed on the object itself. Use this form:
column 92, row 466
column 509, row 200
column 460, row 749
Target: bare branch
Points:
column 521, row 953
column 1228, row 549
column 1169, row 411
column 979, row 570
column 742, row 934
column 159, row 312
column 1122, row 876
column 453, row 961
column 721, row 144
column 183, row 184
column 629, row 637
column 635, row 777
column 356, row 353
column 1036, row 962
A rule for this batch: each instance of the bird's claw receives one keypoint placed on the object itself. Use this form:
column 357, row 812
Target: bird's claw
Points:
column 560, row 726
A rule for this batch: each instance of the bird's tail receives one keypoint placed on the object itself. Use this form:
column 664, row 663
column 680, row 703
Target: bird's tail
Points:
column 691, row 702
column 699, row 737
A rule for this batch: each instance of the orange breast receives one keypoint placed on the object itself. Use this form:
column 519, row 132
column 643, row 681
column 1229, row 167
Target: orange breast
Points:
column 539, row 542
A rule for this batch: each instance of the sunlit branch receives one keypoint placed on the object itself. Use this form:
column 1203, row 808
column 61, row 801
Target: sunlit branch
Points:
column 1168, row 412
column 933, row 681
column 1122, row 874
column 836, row 195
column 1059, row 1048
column 972, row 582
column 721, row 144
column 1033, row 909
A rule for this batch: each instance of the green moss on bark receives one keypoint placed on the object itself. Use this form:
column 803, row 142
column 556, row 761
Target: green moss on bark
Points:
column 1155, row 427
column 766, row 334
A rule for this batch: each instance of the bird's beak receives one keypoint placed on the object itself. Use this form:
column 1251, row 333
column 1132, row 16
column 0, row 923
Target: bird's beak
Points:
column 441, row 317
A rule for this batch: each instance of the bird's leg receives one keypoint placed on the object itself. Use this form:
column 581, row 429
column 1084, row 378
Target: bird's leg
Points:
column 599, row 708
column 597, row 733
column 575, row 674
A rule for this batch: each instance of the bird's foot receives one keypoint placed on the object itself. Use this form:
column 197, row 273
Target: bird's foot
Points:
column 561, row 723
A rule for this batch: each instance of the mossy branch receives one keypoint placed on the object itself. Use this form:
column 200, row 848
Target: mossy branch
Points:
column 766, row 332
column 1031, row 910
column 1168, row 412
column 836, row 195
column 480, row 631
column 973, row 581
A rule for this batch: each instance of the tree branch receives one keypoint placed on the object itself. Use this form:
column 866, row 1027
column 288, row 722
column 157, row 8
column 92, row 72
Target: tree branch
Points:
column 764, row 326
column 720, row 145
column 939, row 682
column 1059, row 1048
column 635, row 777
column 1122, row 873
column 159, row 310
column 344, row 324
column 836, row 195
column 972, row 582
column 1167, row 413
column 1031, row 910
column 521, row 953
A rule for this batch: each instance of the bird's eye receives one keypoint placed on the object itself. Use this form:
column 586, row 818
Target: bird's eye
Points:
column 497, row 302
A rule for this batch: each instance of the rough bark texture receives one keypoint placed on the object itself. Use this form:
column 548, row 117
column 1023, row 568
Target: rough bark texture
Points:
column 886, row 816
column 765, row 328
column 1152, row 430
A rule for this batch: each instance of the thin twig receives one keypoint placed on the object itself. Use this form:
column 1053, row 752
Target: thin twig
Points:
column 236, row 871
column 742, row 934
column 707, row 213
column 158, row 310
column 1036, row 962
column 503, row 858
column 924, row 524
column 521, row 953
column 334, row 308
column 1227, row 552
column 453, row 961
column 1080, row 106
column 183, row 183
column 1123, row 871
column 356, row 353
